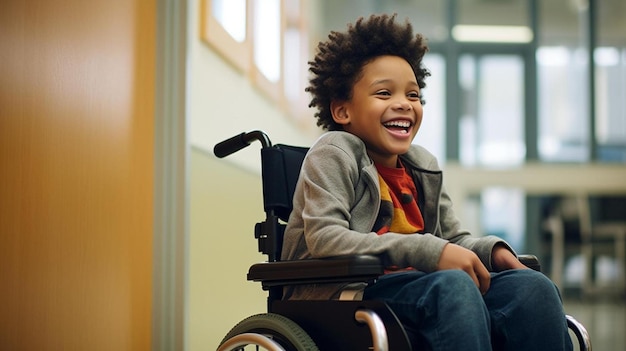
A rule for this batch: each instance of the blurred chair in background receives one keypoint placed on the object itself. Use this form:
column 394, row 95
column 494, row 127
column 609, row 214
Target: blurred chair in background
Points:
column 588, row 246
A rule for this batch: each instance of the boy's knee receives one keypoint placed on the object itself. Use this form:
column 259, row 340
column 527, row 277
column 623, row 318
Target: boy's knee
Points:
column 528, row 287
column 456, row 281
column 458, row 295
column 535, row 281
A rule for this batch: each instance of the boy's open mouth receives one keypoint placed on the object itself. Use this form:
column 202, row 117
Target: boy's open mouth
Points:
column 398, row 126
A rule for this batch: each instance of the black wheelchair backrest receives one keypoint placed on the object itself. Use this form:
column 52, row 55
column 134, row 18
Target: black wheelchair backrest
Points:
column 280, row 171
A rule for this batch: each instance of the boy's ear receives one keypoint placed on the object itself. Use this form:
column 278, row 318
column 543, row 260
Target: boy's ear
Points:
column 340, row 112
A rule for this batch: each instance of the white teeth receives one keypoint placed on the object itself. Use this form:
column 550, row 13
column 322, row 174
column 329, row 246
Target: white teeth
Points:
column 400, row 124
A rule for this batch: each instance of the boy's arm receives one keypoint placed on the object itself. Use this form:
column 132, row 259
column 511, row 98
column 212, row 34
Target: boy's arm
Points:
column 502, row 259
column 495, row 253
column 456, row 257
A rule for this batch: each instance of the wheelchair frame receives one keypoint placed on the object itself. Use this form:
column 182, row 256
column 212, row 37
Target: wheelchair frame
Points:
column 305, row 325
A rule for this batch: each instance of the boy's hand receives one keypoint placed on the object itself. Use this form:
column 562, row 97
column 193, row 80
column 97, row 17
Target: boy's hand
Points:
column 503, row 259
column 456, row 257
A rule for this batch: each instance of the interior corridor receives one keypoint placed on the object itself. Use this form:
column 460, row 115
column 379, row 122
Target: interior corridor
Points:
column 604, row 318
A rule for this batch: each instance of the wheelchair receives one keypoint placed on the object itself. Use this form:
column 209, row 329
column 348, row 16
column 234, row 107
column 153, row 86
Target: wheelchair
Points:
column 315, row 325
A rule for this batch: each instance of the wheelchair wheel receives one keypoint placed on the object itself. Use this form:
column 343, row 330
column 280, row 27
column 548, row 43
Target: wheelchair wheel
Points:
column 268, row 331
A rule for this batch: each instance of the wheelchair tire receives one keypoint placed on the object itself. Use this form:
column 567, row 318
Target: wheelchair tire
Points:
column 280, row 330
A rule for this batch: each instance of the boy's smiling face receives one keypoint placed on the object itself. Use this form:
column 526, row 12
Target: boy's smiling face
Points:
column 385, row 110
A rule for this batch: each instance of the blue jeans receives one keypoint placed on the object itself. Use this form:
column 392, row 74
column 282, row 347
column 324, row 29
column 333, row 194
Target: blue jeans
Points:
column 444, row 310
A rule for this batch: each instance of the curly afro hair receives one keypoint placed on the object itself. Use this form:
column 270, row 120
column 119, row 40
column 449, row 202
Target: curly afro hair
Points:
column 339, row 61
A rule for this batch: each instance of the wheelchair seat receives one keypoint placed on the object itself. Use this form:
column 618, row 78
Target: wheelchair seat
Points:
column 350, row 324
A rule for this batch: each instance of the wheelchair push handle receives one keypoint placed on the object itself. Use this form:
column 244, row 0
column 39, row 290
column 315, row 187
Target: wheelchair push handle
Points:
column 240, row 141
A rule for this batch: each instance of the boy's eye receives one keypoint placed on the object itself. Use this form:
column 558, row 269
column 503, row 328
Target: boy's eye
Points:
column 413, row 95
column 383, row 93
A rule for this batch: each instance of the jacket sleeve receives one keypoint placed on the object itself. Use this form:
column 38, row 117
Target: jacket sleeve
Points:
column 481, row 246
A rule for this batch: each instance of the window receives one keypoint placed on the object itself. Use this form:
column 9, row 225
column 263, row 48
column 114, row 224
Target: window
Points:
column 610, row 82
column 224, row 26
column 563, row 104
column 267, row 22
column 266, row 40
column 491, row 124
column 563, row 84
column 610, row 66
column 267, row 45
column 228, row 14
column 431, row 134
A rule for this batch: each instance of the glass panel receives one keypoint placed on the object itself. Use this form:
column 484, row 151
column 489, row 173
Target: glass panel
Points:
column 610, row 75
column 293, row 65
column 497, row 211
column 231, row 14
column 267, row 22
column 492, row 111
column 563, row 84
column 432, row 131
column 563, row 104
column 503, row 214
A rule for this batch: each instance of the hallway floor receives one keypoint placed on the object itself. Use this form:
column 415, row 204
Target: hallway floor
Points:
column 604, row 319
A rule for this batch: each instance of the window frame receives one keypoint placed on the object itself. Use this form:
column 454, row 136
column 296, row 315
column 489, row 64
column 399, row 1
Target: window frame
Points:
column 272, row 89
column 241, row 54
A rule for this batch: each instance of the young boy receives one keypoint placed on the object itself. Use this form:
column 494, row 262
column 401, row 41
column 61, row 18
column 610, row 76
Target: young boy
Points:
column 365, row 189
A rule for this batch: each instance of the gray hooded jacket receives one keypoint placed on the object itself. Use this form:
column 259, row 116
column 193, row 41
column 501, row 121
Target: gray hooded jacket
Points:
column 336, row 203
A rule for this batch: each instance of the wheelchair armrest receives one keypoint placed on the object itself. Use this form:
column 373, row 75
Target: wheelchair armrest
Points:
column 348, row 269
column 530, row 261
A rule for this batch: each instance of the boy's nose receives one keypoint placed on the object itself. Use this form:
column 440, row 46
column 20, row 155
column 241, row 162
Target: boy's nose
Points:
column 403, row 105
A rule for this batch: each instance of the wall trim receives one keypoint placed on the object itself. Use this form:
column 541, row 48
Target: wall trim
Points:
column 171, row 218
